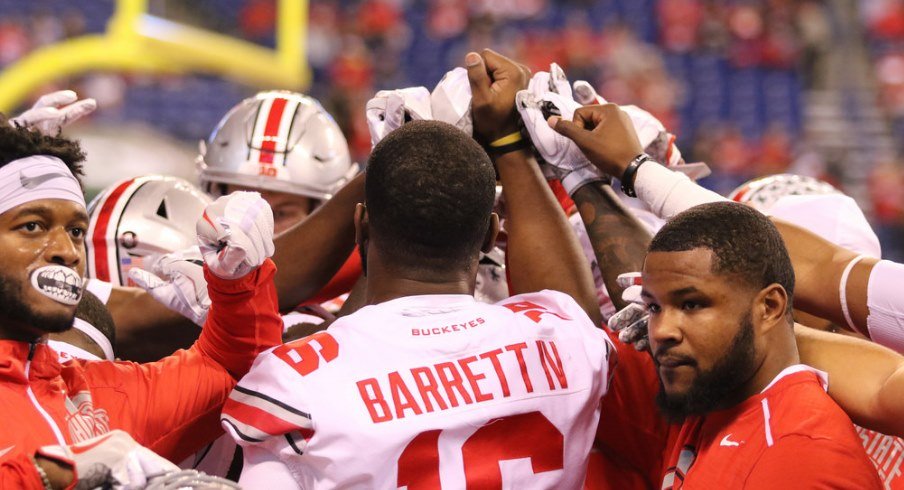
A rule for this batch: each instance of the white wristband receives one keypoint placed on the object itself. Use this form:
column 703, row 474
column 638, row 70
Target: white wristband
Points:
column 668, row 193
column 580, row 177
column 842, row 292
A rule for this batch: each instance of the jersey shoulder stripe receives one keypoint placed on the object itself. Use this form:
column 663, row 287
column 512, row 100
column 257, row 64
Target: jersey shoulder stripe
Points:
column 255, row 417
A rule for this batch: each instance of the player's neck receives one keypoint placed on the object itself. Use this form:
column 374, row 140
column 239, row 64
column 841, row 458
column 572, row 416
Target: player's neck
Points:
column 388, row 283
column 10, row 330
column 781, row 353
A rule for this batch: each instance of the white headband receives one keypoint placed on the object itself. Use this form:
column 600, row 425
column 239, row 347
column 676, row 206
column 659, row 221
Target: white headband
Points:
column 37, row 177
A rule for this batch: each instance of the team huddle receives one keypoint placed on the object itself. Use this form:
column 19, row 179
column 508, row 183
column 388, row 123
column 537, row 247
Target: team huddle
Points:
column 523, row 288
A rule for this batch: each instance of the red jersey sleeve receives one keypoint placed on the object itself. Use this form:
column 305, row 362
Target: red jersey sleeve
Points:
column 799, row 461
column 19, row 472
column 631, row 431
column 172, row 406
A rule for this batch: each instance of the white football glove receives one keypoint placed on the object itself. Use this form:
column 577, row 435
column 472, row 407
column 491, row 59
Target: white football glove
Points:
column 111, row 460
column 552, row 81
column 450, row 101
column 178, row 282
column 586, row 94
column 189, row 480
column 235, row 234
column 631, row 322
column 53, row 111
column 562, row 158
column 389, row 109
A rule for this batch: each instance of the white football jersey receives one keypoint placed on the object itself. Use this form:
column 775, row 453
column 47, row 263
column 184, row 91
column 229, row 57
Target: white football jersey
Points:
column 436, row 391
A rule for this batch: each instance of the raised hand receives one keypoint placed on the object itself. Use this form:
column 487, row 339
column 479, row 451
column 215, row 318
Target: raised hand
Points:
column 494, row 80
column 178, row 282
column 562, row 159
column 390, row 109
column 604, row 133
column 235, row 234
column 656, row 140
column 54, row 110
column 450, row 101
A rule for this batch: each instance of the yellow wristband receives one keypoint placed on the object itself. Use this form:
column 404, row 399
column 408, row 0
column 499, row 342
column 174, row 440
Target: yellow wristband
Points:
column 507, row 139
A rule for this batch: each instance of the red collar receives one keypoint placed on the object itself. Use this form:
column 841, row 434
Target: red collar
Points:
column 14, row 355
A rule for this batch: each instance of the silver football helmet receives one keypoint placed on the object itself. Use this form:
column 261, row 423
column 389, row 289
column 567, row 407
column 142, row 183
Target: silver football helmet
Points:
column 279, row 141
column 134, row 221
column 763, row 192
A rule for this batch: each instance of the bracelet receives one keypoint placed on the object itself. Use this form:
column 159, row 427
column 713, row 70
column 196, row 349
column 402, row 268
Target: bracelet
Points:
column 513, row 142
column 842, row 293
column 627, row 179
column 507, row 140
column 43, row 474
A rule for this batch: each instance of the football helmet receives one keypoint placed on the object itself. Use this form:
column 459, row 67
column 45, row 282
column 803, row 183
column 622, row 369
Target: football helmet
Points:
column 763, row 192
column 278, row 141
column 137, row 220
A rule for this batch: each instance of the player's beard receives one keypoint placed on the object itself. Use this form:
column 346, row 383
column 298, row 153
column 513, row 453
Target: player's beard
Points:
column 718, row 387
column 14, row 308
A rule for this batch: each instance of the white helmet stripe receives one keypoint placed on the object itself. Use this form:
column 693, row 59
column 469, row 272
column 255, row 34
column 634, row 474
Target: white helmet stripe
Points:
column 257, row 132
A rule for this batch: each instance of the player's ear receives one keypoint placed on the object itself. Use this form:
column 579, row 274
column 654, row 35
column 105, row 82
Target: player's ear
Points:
column 361, row 224
column 772, row 307
column 489, row 240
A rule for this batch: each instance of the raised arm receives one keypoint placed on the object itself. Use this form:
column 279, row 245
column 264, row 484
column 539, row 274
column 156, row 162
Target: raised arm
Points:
column 542, row 250
column 618, row 238
column 869, row 287
column 309, row 254
column 865, row 379
column 172, row 405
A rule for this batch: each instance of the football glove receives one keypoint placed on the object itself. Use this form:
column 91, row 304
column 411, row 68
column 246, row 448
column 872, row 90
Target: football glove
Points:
column 111, row 460
column 562, row 159
column 631, row 322
column 178, row 282
column 390, row 109
column 450, row 101
column 53, row 111
column 235, row 234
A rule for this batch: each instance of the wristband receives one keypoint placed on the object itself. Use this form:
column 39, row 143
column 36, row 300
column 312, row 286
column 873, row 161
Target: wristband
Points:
column 842, row 292
column 507, row 140
column 580, row 177
column 497, row 151
column 627, row 180
column 45, row 480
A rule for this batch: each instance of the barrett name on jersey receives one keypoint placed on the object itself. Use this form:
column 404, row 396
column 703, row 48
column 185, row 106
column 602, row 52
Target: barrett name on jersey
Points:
column 428, row 392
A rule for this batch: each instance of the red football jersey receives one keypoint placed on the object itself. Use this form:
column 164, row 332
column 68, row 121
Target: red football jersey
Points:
column 887, row 453
column 792, row 435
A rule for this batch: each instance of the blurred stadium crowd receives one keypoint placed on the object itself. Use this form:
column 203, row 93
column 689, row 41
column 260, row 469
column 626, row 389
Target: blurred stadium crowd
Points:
column 730, row 78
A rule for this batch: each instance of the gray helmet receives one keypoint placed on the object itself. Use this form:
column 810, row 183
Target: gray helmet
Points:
column 278, row 141
column 137, row 220
column 761, row 193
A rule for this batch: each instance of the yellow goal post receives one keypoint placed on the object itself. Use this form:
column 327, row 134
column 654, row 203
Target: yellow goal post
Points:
column 136, row 41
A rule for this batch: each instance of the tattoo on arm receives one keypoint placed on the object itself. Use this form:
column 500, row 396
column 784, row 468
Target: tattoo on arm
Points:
column 618, row 238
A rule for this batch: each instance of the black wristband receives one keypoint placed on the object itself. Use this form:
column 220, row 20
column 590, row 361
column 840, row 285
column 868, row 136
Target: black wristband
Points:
column 497, row 151
column 627, row 179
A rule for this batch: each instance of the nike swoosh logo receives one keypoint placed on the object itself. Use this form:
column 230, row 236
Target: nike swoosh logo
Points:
column 729, row 443
column 4, row 451
column 32, row 182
